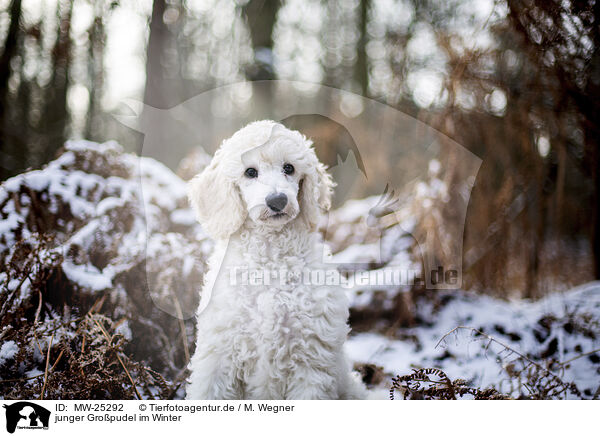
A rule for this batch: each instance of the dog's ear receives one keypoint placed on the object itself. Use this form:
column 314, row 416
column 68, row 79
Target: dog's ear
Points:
column 315, row 192
column 216, row 200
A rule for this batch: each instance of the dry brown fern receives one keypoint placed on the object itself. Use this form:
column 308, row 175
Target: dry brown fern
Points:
column 539, row 380
column 434, row 384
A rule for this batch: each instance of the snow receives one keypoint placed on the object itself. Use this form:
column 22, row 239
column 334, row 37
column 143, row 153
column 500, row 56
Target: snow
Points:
column 87, row 276
column 33, row 373
column 84, row 145
column 155, row 176
column 125, row 330
column 8, row 350
column 353, row 210
column 357, row 254
column 184, row 217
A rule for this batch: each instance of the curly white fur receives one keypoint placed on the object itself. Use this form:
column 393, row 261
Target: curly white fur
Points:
column 282, row 340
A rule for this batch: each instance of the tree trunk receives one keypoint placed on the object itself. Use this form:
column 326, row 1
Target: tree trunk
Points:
column 260, row 16
column 362, row 61
column 10, row 49
column 56, row 116
column 96, row 78
column 153, row 93
column 592, row 135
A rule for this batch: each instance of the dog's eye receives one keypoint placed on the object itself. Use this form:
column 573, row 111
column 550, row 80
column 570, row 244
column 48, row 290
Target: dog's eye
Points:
column 251, row 173
column 288, row 169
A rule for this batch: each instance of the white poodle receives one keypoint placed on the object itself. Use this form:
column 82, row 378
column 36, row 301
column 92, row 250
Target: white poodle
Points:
column 263, row 332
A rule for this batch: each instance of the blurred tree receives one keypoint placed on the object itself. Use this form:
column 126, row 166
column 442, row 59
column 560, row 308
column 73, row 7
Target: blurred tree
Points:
column 260, row 18
column 97, row 41
column 8, row 54
column 56, row 116
column 362, row 62
column 163, row 80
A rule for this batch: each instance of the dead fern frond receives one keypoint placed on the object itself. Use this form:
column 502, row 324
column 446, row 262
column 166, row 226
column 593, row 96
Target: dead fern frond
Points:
column 434, row 384
column 540, row 381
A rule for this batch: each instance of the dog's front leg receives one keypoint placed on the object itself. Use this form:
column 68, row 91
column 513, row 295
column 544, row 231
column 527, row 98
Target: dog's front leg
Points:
column 309, row 384
column 264, row 383
column 212, row 379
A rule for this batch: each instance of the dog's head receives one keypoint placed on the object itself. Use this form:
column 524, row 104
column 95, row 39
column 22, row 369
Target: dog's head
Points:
column 266, row 173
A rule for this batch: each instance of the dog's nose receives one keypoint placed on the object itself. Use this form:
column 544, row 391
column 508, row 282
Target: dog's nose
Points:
column 276, row 202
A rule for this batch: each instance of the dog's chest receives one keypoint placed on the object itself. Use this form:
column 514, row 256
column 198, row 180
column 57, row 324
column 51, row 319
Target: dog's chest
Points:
column 275, row 306
column 281, row 307
column 274, row 319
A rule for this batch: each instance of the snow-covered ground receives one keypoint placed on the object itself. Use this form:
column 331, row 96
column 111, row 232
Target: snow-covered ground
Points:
column 560, row 328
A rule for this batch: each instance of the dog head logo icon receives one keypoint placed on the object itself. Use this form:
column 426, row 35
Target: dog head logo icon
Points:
column 25, row 414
